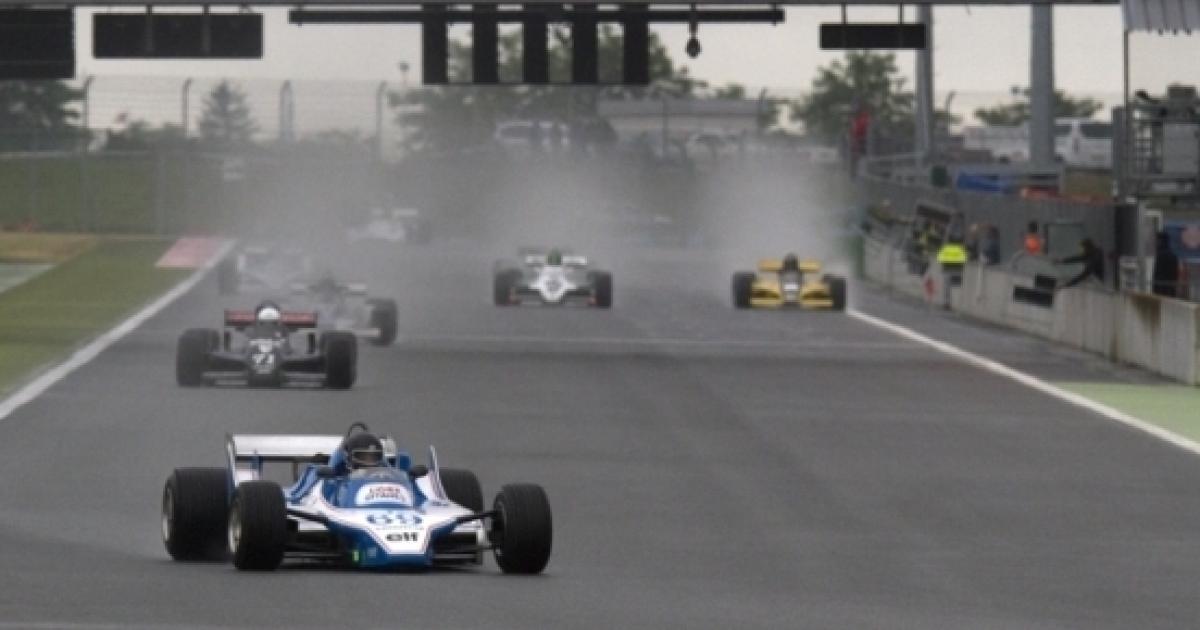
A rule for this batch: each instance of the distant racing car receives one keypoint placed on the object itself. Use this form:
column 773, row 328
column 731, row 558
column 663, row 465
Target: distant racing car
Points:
column 551, row 277
column 397, row 225
column 263, row 269
column 356, row 500
column 267, row 347
column 346, row 306
column 789, row 283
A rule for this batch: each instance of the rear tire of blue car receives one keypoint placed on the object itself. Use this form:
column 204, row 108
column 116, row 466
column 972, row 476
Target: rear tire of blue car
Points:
column 194, row 505
column 341, row 357
column 258, row 530
column 383, row 317
column 191, row 355
column 462, row 487
column 522, row 530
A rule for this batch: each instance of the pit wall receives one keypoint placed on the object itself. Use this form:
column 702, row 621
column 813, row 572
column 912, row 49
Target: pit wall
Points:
column 1010, row 215
column 1159, row 334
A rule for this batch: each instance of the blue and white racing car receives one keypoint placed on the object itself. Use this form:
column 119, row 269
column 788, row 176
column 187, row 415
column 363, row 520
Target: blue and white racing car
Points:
column 356, row 500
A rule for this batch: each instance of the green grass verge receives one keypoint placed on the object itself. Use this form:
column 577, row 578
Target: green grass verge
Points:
column 43, row 320
column 51, row 191
column 1172, row 407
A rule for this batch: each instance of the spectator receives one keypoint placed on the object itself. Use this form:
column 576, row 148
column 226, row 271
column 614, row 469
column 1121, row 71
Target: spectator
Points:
column 1166, row 267
column 1092, row 259
column 1033, row 241
column 971, row 243
column 989, row 248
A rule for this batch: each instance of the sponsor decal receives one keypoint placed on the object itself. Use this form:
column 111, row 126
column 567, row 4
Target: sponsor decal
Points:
column 389, row 520
column 383, row 493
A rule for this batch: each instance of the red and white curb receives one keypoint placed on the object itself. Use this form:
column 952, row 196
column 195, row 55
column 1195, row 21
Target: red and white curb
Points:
column 82, row 356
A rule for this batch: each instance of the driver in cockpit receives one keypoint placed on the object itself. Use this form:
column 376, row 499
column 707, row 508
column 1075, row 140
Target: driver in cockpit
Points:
column 364, row 454
column 268, row 322
column 327, row 288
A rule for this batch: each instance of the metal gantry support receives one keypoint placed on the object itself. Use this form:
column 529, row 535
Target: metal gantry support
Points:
column 925, row 114
column 1041, row 87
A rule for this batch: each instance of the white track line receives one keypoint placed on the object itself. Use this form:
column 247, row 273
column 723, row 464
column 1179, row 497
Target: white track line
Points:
column 1030, row 381
column 82, row 356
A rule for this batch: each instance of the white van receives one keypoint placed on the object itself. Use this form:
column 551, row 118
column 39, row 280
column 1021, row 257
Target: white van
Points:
column 1078, row 142
column 533, row 136
column 1083, row 143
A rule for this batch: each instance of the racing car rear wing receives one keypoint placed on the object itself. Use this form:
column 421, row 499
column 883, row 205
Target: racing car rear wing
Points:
column 247, row 453
column 567, row 261
column 291, row 319
column 775, row 265
column 308, row 449
column 349, row 288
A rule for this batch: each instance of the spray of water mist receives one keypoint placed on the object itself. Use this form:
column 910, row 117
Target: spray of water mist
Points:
column 767, row 210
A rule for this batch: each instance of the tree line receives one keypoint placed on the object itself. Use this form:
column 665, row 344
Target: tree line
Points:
column 444, row 117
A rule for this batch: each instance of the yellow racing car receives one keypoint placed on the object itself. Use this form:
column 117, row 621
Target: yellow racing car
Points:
column 788, row 283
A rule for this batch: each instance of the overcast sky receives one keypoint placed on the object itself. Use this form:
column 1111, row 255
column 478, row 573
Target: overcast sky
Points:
column 977, row 49
column 980, row 53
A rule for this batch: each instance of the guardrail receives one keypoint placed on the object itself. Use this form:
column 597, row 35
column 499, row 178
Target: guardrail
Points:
column 1156, row 333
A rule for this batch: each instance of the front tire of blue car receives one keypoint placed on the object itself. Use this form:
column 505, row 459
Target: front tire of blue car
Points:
column 258, row 531
column 194, row 505
column 522, row 530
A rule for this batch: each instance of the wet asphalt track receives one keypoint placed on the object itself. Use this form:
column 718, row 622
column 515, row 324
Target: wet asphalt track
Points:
column 707, row 469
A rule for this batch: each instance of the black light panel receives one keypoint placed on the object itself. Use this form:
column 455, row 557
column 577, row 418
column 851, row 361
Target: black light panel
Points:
column 37, row 44
column 177, row 36
column 435, row 53
column 841, row 36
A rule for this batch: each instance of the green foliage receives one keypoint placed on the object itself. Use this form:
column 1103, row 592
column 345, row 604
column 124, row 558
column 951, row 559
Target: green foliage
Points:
column 1017, row 113
column 38, row 115
column 334, row 143
column 48, row 317
column 860, row 78
column 140, row 135
column 227, row 122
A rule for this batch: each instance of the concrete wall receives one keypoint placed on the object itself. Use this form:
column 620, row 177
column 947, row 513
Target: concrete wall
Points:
column 1161, row 335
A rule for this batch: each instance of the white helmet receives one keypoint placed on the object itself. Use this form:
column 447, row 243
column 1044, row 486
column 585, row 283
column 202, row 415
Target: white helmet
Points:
column 269, row 315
